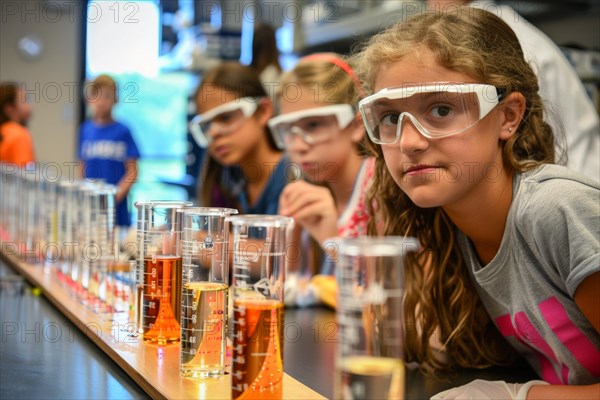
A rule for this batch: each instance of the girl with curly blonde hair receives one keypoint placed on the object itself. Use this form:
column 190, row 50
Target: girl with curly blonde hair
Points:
column 464, row 162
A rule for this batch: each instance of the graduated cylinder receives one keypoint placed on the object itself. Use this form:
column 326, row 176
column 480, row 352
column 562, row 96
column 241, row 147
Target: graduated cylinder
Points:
column 158, row 290
column 260, row 257
column 205, row 291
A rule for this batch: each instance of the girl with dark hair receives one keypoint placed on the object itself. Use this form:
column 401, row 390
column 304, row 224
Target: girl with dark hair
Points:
column 244, row 168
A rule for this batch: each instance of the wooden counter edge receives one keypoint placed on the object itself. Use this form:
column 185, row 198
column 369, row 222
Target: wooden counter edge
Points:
column 35, row 274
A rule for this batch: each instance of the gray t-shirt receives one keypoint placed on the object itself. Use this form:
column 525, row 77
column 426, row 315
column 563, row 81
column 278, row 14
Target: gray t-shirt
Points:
column 551, row 243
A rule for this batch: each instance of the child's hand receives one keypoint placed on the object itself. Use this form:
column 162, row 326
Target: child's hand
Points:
column 312, row 207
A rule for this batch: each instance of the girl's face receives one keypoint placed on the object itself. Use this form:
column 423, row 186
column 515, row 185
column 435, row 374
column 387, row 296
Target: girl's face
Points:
column 245, row 135
column 323, row 159
column 443, row 171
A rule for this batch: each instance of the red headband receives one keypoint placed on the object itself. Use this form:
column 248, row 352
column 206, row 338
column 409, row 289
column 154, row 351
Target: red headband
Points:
column 340, row 64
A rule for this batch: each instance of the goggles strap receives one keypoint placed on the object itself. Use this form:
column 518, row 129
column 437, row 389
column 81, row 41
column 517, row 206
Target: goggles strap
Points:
column 338, row 62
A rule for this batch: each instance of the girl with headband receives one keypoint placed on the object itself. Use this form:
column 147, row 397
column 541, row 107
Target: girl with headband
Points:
column 322, row 133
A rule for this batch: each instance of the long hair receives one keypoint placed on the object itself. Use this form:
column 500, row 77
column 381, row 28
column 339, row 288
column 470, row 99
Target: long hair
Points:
column 440, row 298
column 264, row 48
column 231, row 77
column 8, row 97
column 323, row 75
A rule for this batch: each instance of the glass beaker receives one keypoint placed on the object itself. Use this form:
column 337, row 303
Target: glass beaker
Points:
column 118, row 286
column 205, row 291
column 86, row 250
column 369, row 315
column 67, row 224
column 159, row 270
column 101, row 249
column 30, row 207
column 9, row 220
column 260, row 257
column 50, row 222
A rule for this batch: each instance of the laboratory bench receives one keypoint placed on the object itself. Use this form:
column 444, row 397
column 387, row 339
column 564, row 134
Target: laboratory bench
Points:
column 54, row 347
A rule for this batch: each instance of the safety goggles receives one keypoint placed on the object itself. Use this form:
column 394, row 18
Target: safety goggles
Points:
column 437, row 110
column 315, row 125
column 222, row 120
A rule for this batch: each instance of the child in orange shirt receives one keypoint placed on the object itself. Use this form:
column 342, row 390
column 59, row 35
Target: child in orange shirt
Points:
column 16, row 145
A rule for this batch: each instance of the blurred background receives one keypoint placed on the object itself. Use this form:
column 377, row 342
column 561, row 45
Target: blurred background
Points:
column 158, row 50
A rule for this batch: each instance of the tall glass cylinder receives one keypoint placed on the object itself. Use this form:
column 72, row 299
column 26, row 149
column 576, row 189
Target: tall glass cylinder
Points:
column 370, row 283
column 101, row 250
column 83, row 234
column 30, row 214
column 10, row 190
column 205, row 290
column 86, row 235
column 260, row 257
column 22, row 210
column 50, row 221
column 67, row 225
column 159, row 270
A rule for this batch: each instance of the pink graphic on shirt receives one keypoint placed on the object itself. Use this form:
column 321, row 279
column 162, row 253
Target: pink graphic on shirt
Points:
column 565, row 373
column 574, row 340
column 524, row 331
column 584, row 351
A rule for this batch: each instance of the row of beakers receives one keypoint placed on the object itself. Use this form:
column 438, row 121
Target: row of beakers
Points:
column 65, row 226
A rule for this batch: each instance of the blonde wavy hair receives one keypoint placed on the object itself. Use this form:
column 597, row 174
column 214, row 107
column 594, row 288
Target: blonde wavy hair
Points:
column 329, row 84
column 440, row 298
column 319, row 74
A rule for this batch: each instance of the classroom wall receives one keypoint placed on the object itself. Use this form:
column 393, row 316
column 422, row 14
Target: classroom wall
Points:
column 52, row 80
column 582, row 30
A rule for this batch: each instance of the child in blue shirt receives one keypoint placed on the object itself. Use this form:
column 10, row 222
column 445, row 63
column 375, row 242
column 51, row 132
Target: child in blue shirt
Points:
column 107, row 150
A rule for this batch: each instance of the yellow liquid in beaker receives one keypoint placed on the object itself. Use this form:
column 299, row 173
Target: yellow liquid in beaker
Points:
column 368, row 377
column 204, row 327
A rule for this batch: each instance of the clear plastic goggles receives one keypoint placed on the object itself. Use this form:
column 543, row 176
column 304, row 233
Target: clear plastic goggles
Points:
column 437, row 110
column 222, row 120
column 315, row 125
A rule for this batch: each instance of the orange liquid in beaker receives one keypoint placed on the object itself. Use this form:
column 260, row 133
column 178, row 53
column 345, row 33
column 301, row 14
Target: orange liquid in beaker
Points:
column 161, row 299
column 257, row 367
